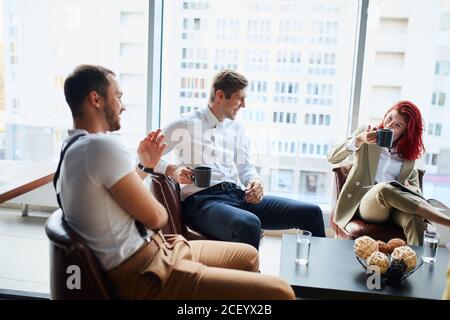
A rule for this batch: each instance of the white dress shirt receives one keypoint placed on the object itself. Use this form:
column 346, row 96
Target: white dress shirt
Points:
column 389, row 164
column 199, row 139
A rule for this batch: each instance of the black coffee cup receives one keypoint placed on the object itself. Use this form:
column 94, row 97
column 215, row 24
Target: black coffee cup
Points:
column 201, row 177
column 385, row 137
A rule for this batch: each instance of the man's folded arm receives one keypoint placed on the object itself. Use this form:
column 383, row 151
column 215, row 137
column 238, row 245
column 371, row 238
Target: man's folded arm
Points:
column 132, row 195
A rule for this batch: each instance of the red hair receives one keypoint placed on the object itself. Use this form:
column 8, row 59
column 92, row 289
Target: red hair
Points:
column 410, row 144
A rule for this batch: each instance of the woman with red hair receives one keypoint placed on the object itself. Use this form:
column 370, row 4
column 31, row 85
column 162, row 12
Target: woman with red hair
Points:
column 368, row 192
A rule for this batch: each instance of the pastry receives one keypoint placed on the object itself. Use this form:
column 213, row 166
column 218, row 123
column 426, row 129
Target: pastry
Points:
column 380, row 260
column 395, row 243
column 407, row 255
column 365, row 246
column 383, row 247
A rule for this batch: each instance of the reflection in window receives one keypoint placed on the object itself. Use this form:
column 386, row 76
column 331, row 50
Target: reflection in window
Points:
column 312, row 182
column 281, row 180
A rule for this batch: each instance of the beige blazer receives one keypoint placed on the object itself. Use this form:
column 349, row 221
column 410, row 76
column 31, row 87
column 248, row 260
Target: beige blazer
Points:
column 362, row 174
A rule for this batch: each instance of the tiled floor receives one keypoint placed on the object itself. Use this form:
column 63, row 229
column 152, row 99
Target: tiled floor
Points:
column 24, row 252
column 24, row 264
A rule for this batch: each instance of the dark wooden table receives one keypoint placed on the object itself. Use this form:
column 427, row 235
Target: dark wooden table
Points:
column 334, row 273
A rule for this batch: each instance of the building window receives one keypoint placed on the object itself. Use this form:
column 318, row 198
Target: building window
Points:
column 59, row 81
column 431, row 159
column 434, row 159
column 438, row 98
column 438, row 129
column 442, row 68
column 132, row 20
column 15, row 108
column 435, row 129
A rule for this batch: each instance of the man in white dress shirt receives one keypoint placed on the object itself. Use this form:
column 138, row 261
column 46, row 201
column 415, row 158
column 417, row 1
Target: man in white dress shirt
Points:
column 234, row 207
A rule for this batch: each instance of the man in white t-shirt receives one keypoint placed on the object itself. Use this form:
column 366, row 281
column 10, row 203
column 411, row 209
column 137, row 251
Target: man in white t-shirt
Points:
column 102, row 195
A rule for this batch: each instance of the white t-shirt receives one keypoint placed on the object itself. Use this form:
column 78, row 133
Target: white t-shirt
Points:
column 91, row 166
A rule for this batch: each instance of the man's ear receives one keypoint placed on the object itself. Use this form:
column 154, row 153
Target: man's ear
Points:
column 94, row 99
column 220, row 95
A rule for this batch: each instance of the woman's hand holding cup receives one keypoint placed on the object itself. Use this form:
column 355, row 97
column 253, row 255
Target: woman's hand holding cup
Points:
column 369, row 136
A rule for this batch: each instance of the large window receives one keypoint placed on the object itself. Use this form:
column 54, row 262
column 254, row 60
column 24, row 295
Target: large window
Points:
column 407, row 56
column 42, row 41
column 298, row 57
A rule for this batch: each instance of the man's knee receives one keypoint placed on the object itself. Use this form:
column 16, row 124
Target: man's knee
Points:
column 316, row 220
column 253, row 258
column 248, row 230
column 316, row 211
column 279, row 289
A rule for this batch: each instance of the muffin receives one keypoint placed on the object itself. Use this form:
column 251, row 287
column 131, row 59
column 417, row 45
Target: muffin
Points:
column 365, row 246
column 407, row 255
column 395, row 243
column 380, row 260
column 383, row 247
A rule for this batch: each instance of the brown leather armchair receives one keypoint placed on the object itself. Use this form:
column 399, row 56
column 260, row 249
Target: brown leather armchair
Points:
column 358, row 227
column 167, row 192
column 68, row 249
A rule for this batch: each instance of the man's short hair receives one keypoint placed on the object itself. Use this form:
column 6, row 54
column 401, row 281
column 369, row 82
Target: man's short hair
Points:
column 84, row 80
column 229, row 82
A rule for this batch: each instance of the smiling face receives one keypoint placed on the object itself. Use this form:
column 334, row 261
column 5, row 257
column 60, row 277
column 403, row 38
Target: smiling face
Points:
column 395, row 121
column 232, row 105
column 113, row 105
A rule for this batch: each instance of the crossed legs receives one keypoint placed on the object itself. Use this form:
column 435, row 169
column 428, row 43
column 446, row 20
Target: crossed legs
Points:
column 223, row 270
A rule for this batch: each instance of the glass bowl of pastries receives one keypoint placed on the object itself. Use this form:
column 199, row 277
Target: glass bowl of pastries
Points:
column 395, row 260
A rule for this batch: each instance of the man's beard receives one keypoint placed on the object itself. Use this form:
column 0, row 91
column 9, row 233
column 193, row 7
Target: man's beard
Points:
column 112, row 120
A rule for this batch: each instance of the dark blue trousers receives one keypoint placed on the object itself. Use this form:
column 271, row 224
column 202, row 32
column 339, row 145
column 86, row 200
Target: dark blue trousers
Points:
column 226, row 215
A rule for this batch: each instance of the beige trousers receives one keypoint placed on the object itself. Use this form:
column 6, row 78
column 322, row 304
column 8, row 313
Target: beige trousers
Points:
column 197, row 270
column 384, row 201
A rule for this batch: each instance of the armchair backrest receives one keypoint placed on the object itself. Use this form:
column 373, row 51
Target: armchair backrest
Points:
column 167, row 192
column 70, row 256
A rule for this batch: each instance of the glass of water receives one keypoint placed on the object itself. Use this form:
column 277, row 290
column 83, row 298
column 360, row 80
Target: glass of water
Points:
column 303, row 247
column 430, row 246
